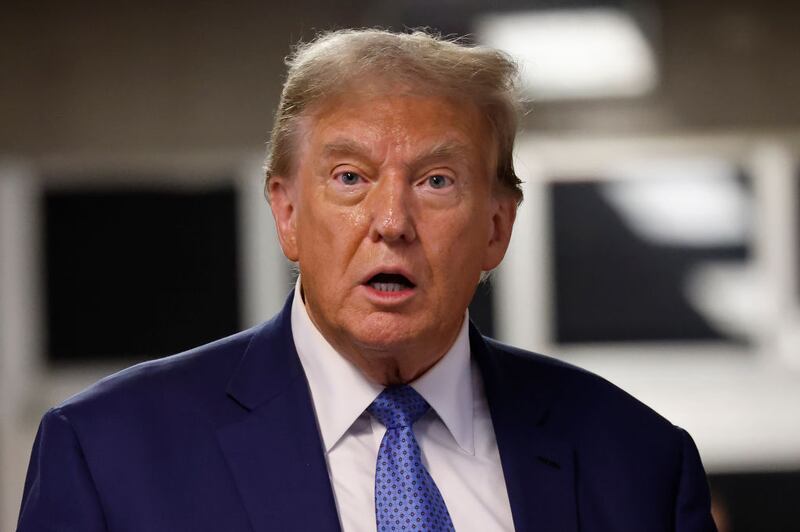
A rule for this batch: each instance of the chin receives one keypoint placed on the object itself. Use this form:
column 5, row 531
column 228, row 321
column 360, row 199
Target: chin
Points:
column 386, row 334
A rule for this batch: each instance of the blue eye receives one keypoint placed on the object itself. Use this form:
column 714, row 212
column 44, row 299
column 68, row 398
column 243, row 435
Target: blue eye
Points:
column 437, row 181
column 349, row 178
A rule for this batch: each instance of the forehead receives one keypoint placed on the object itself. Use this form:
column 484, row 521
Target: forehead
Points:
column 397, row 119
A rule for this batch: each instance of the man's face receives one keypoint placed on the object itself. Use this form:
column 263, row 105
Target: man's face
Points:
column 392, row 215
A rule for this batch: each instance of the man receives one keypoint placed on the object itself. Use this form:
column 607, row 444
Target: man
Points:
column 370, row 401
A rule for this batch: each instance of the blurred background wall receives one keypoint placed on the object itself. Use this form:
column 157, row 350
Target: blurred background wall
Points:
column 657, row 246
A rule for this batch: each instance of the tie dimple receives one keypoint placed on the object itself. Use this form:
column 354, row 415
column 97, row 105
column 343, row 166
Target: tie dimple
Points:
column 398, row 406
column 406, row 498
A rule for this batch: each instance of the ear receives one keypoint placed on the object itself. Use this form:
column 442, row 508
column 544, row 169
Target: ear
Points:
column 504, row 212
column 282, row 195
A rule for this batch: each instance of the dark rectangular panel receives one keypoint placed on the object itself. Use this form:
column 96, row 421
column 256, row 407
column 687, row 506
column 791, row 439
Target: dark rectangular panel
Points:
column 134, row 273
column 612, row 283
column 481, row 309
column 756, row 501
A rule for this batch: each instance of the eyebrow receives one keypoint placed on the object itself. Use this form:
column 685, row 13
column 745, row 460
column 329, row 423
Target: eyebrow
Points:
column 448, row 149
column 346, row 147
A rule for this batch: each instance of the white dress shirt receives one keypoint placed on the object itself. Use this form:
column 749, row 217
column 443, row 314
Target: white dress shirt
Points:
column 456, row 436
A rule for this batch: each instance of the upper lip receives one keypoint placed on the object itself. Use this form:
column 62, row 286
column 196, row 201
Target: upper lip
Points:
column 398, row 270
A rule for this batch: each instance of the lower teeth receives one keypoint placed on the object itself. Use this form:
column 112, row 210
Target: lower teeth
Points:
column 387, row 287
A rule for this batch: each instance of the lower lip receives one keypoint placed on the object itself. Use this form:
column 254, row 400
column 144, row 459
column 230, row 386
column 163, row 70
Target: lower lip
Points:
column 389, row 297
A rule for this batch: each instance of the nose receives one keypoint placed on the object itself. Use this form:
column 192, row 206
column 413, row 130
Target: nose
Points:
column 391, row 205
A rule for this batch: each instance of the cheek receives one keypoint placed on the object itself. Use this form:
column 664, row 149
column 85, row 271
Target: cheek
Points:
column 457, row 239
column 329, row 235
column 353, row 219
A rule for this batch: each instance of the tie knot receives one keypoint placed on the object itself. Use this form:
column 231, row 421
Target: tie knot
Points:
column 398, row 406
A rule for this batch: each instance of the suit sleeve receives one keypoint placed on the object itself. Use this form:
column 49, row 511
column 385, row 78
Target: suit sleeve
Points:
column 59, row 493
column 693, row 502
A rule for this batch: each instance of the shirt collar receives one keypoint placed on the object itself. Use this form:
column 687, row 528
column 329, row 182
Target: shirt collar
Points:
column 447, row 387
column 339, row 390
column 341, row 393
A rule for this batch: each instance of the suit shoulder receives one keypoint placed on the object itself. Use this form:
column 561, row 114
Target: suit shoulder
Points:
column 589, row 397
column 531, row 359
column 531, row 365
column 184, row 374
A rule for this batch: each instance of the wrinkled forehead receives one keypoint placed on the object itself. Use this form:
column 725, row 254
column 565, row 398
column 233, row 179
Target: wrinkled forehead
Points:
column 369, row 104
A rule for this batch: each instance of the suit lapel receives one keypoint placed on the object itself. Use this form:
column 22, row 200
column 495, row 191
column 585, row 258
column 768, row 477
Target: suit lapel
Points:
column 274, row 449
column 539, row 468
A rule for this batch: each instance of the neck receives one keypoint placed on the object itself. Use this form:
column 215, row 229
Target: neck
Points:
column 392, row 365
column 389, row 369
column 389, row 365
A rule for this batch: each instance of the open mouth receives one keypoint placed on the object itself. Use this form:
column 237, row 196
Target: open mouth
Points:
column 389, row 282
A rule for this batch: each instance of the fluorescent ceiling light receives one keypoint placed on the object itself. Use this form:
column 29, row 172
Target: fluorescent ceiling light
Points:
column 576, row 53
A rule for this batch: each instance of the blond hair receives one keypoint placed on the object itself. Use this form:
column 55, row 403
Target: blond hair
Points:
column 331, row 64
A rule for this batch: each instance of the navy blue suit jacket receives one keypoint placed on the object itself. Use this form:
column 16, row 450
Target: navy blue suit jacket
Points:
column 223, row 438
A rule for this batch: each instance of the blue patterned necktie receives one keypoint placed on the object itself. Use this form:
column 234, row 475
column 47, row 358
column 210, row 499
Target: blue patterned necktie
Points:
column 406, row 498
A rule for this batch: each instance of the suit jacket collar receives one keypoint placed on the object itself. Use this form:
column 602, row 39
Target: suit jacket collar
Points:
column 270, row 363
column 539, row 467
column 274, row 449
